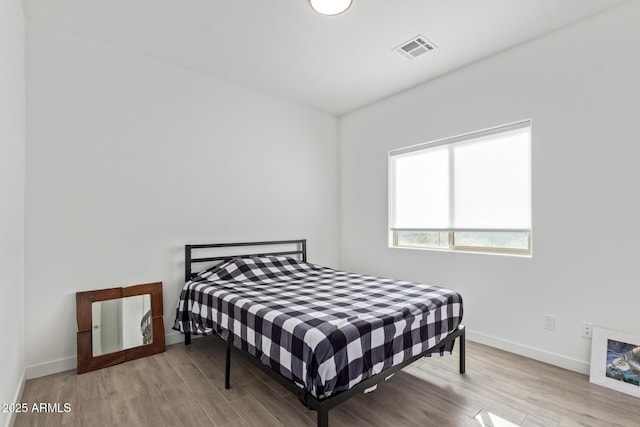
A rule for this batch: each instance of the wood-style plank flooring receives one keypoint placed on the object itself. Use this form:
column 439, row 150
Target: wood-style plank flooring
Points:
column 185, row 387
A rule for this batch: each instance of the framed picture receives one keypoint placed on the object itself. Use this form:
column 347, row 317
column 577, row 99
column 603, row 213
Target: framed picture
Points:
column 615, row 360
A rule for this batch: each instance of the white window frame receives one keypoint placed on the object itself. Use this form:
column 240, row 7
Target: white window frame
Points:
column 451, row 233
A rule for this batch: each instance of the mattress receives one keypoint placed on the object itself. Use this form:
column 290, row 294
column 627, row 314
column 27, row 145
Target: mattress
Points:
column 324, row 329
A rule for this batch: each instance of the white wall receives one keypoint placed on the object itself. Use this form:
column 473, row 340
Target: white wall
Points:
column 129, row 159
column 12, row 170
column 580, row 86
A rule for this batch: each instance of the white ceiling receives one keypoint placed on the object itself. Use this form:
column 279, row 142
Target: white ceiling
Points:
column 335, row 64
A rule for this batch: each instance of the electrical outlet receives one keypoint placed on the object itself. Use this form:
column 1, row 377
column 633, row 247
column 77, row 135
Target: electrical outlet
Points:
column 550, row 322
column 586, row 329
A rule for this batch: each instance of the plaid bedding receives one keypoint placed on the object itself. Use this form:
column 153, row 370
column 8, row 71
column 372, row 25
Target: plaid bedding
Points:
column 324, row 329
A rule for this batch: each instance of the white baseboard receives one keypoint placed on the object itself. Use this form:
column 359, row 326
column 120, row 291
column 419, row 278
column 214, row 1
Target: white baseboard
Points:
column 17, row 398
column 174, row 337
column 52, row 367
column 559, row 360
column 69, row 363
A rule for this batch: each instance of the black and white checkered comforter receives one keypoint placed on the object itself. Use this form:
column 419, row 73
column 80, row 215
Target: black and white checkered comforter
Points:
column 326, row 330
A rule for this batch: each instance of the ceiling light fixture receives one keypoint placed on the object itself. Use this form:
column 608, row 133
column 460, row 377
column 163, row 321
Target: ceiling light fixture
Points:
column 330, row 7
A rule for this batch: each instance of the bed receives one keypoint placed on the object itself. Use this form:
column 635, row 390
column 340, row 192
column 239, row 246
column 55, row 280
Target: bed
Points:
column 323, row 333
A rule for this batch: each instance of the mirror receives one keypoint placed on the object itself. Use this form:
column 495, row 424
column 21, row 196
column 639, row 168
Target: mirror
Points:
column 119, row 324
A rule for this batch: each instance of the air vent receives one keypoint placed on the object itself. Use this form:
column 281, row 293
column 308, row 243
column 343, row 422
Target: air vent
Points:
column 415, row 47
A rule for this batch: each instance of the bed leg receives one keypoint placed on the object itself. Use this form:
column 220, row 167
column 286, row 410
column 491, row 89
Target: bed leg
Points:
column 323, row 416
column 462, row 352
column 227, row 367
column 187, row 338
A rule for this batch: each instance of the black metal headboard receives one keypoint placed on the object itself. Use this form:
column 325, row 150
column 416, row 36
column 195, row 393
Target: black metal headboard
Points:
column 190, row 259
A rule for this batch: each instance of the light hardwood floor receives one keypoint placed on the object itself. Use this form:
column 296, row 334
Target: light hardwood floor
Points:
column 185, row 387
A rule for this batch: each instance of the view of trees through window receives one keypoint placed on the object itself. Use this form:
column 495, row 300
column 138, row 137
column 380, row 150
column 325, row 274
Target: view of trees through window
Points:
column 511, row 241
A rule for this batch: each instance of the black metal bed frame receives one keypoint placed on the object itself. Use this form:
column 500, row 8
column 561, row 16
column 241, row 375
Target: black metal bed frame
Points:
column 322, row 406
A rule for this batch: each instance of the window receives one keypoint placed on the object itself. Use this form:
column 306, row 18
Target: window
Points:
column 470, row 192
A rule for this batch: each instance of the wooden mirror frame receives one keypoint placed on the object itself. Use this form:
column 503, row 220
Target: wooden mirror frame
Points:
column 86, row 360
